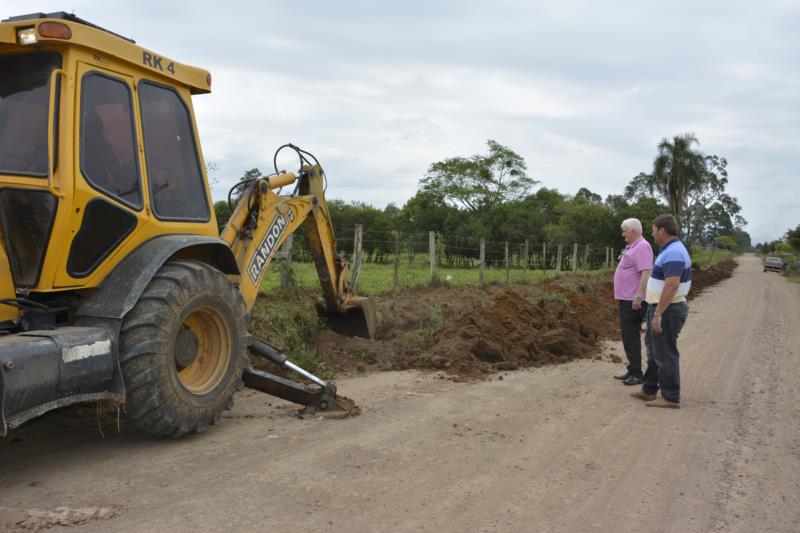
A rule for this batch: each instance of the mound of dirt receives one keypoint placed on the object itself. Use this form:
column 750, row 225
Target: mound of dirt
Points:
column 702, row 278
column 528, row 326
column 513, row 331
column 471, row 332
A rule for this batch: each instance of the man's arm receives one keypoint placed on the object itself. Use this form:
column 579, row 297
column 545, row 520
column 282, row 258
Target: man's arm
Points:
column 640, row 292
column 671, row 285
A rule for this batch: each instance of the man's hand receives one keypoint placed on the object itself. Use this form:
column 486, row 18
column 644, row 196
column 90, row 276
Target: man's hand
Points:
column 637, row 303
column 655, row 323
column 671, row 285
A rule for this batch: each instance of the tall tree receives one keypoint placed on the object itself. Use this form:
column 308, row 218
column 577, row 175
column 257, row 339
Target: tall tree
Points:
column 481, row 181
column 588, row 195
column 742, row 239
column 708, row 205
column 677, row 169
column 694, row 187
column 793, row 238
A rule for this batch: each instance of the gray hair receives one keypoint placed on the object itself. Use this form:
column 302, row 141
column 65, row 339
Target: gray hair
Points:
column 632, row 223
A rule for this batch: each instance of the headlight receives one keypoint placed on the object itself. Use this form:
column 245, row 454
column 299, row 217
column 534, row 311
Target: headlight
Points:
column 27, row 36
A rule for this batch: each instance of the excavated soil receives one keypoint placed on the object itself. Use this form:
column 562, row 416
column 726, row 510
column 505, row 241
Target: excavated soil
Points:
column 703, row 278
column 471, row 333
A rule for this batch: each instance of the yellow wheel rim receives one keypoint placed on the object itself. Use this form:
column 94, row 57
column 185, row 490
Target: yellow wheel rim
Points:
column 208, row 369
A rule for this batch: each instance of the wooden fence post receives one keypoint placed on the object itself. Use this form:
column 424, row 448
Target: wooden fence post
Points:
column 432, row 252
column 544, row 259
column 574, row 256
column 286, row 253
column 558, row 259
column 525, row 258
column 507, row 262
column 396, row 279
column 586, row 258
column 483, row 261
column 606, row 263
column 358, row 255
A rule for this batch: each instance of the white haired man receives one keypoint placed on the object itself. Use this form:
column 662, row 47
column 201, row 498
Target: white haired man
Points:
column 630, row 284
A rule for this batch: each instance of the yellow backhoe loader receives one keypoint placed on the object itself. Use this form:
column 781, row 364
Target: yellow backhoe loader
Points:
column 115, row 283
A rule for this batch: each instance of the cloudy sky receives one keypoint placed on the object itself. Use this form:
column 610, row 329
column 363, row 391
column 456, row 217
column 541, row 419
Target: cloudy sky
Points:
column 583, row 90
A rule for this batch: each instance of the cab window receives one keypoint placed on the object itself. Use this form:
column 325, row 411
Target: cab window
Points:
column 24, row 107
column 173, row 168
column 108, row 144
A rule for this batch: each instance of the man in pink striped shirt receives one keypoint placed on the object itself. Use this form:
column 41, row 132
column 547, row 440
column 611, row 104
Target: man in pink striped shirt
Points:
column 630, row 284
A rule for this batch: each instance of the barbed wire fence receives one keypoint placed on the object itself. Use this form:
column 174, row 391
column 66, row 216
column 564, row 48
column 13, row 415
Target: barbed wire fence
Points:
column 433, row 257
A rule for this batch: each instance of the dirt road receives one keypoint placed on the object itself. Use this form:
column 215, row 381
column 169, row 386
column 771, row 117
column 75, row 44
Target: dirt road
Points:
column 560, row 448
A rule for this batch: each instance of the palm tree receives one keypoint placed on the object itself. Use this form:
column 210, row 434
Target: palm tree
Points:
column 676, row 169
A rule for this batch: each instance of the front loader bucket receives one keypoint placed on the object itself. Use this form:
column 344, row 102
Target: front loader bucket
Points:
column 358, row 321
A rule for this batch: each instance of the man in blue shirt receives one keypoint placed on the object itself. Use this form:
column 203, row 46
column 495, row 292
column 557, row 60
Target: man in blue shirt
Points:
column 667, row 310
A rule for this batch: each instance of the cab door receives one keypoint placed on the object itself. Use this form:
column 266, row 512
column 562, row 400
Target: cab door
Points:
column 109, row 194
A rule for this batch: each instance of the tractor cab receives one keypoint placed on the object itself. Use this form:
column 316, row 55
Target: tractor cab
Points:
column 99, row 153
column 115, row 284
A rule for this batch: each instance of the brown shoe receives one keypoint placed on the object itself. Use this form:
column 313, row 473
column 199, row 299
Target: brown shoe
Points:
column 661, row 402
column 641, row 395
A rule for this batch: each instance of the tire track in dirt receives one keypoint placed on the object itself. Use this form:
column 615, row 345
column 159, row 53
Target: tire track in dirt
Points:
column 557, row 448
column 765, row 425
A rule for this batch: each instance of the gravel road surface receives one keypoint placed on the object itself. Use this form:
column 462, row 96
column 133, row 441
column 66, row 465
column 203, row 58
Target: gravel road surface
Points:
column 560, row 448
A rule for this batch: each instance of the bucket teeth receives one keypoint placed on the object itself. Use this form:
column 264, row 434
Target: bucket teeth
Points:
column 358, row 319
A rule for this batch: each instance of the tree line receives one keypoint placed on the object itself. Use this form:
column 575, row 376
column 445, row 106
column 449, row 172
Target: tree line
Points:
column 789, row 244
column 491, row 196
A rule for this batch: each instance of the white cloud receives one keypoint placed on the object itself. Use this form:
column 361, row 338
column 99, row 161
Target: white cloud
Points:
column 583, row 90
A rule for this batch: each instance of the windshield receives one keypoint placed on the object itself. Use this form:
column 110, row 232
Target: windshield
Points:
column 24, row 103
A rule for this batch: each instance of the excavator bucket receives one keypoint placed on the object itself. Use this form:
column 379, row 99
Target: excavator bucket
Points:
column 358, row 321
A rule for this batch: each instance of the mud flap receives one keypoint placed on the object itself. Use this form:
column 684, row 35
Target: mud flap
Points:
column 44, row 370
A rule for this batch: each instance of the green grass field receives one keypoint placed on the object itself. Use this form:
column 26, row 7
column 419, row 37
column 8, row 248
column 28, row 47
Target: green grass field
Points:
column 706, row 257
column 378, row 278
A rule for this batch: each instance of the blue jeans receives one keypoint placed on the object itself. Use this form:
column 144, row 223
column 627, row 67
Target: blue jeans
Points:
column 663, row 359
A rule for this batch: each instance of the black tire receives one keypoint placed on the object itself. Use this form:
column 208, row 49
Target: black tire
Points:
column 167, row 394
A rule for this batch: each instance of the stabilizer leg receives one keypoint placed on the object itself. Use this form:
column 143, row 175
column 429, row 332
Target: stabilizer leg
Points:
column 321, row 398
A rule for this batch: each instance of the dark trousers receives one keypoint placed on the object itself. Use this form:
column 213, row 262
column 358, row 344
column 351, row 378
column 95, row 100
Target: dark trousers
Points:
column 630, row 321
column 663, row 358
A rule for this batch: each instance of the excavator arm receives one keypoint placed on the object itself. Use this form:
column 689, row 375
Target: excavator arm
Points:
column 258, row 227
column 263, row 220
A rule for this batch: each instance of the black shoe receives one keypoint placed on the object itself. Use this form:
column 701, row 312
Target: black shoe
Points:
column 623, row 377
column 633, row 379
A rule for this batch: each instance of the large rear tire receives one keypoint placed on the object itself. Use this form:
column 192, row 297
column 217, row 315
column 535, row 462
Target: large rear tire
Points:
column 183, row 348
